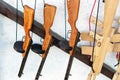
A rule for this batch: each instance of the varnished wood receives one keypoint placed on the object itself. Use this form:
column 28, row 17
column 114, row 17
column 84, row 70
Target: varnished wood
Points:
column 28, row 20
column 10, row 12
column 49, row 14
column 73, row 10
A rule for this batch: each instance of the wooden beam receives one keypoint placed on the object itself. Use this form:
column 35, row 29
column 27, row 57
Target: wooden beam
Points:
column 115, row 38
column 86, row 37
column 99, row 22
column 86, row 50
column 10, row 12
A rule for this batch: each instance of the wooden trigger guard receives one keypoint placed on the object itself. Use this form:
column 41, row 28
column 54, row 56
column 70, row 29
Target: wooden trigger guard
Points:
column 49, row 14
column 28, row 20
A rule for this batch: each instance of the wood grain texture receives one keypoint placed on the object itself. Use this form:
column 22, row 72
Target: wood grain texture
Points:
column 49, row 14
column 73, row 10
column 28, row 20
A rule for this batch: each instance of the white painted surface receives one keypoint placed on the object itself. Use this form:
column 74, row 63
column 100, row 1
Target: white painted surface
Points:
column 56, row 63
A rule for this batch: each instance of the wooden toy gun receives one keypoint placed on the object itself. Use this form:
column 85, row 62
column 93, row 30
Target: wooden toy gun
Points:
column 73, row 9
column 103, row 40
column 49, row 14
column 24, row 47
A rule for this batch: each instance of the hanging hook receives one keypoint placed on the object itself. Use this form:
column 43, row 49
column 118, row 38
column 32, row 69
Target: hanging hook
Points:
column 44, row 2
column 68, row 34
column 41, row 40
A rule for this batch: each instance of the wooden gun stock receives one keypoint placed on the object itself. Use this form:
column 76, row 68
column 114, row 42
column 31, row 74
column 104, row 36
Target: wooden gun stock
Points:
column 28, row 20
column 101, row 50
column 49, row 14
column 73, row 10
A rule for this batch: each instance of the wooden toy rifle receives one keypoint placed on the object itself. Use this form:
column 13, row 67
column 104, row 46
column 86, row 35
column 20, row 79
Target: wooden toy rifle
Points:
column 28, row 20
column 24, row 47
column 104, row 40
column 49, row 14
column 73, row 9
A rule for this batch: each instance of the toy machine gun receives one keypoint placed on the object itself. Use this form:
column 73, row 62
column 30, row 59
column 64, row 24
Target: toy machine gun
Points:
column 49, row 14
column 73, row 9
column 24, row 46
column 104, row 40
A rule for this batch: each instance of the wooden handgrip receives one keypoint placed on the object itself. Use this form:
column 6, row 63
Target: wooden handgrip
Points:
column 28, row 20
column 73, row 10
column 49, row 14
column 26, row 45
